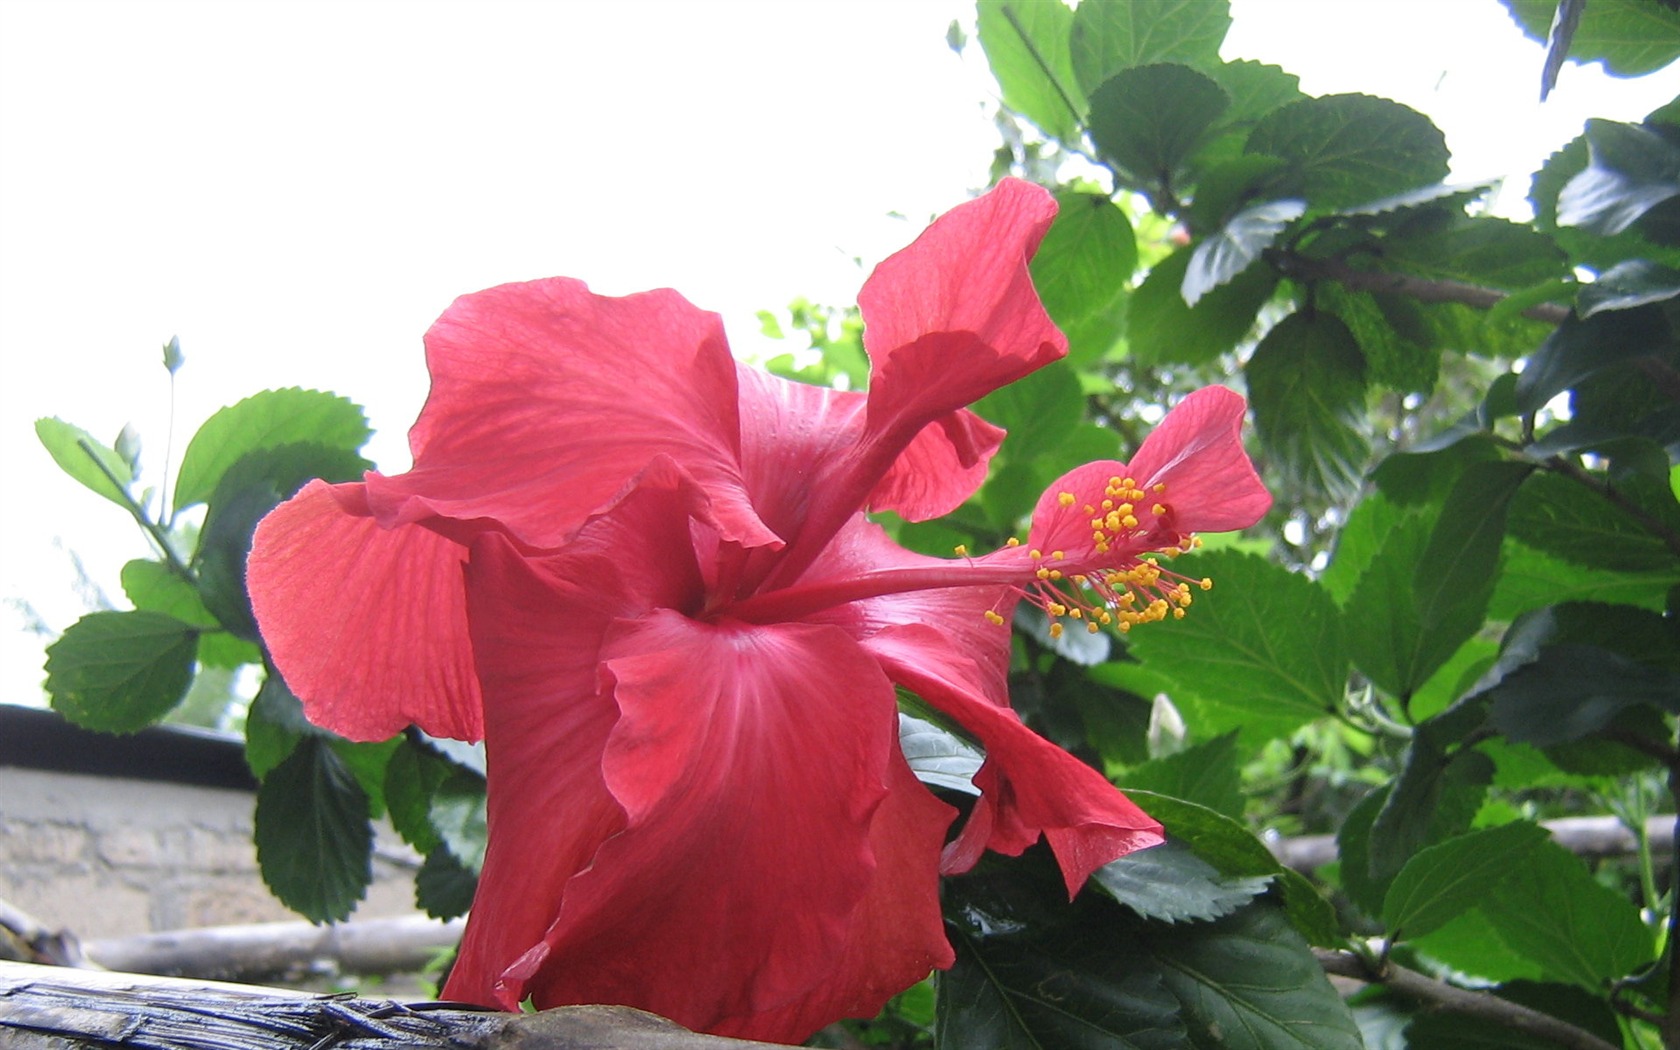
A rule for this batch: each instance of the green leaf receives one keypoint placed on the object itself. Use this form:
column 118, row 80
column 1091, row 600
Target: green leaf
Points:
column 119, row 672
column 1149, row 120
column 1554, row 912
column 1573, row 691
column 314, row 841
column 246, row 492
column 1265, row 644
column 1630, row 171
column 80, row 456
column 1307, row 385
column 1627, row 285
column 1207, row 774
column 274, row 725
column 1109, row 37
column 1370, row 525
column 367, row 761
column 1564, row 518
column 1435, row 797
column 1230, row 847
column 937, row 757
column 1237, row 245
column 1036, row 410
column 458, row 816
column 1249, row 982
column 152, row 587
column 1346, row 149
column 1034, row 971
column 1163, row 329
column 1631, row 37
column 1530, row 579
column 1083, row 271
column 1362, row 885
column 1444, row 1030
column 1026, row 43
column 1481, row 250
column 263, row 421
column 1469, row 945
column 1445, row 880
column 1579, row 349
column 1256, row 89
column 443, row 887
column 1171, row 884
column 412, row 777
column 1395, row 360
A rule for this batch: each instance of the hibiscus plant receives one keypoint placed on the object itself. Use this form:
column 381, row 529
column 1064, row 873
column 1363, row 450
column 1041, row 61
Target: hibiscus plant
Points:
column 798, row 685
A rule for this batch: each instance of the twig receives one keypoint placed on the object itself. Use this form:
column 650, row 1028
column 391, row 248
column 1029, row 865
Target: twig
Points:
column 1300, row 267
column 1583, row 836
column 1415, row 985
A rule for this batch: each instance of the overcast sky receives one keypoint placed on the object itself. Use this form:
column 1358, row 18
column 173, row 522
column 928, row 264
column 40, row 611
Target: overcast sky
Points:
column 297, row 188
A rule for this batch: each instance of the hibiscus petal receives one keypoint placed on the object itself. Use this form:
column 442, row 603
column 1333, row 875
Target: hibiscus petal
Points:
column 546, row 398
column 367, row 625
column 1028, row 785
column 954, row 316
column 1197, row 453
column 752, row 764
column 942, row 466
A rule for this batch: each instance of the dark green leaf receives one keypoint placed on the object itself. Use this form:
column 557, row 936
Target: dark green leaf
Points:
column 1083, row 271
column 1627, row 285
column 1162, row 329
column 80, row 456
column 1573, row 691
column 1445, row 1030
column 1036, row 410
column 1309, row 911
column 1307, row 385
column 1171, row 884
column 1249, row 982
column 367, row 761
column 1265, row 644
column 1231, row 848
column 1585, row 248
column 266, row 420
column 1631, row 37
column 1109, row 37
column 1530, row 579
column 1207, row 774
column 937, row 757
column 314, row 842
column 1370, row 525
column 458, row 816
column 1148, row 120
column 1582, row 348
column 1224, row 186
column 1481, row 250
column 274, row 725
column 1026, row 43
column 1395, row 360
column 1256, row 89
column 1561, row 517
column 1033, row 971
column 119, row 672
column 1346, row 149
column 1237, row 245
column 1445, row 880
column 246, row 492
column 152, row 587
column 411, row 779
column 1630, row 171
column 443, row 888
column 1554, row 912
column 1353, row 846
column 1434, row 798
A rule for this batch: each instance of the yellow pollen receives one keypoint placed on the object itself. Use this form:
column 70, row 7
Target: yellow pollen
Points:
column 1090, row 509
column 1035, row 554
column 1107, row 504
column 1160, row 486
column 1058, row 556
column 1092, row 628
column 1157, row 509
column 1205, row 584
column 1013, row 542
column 961, row 549
column 993, row 618
column 1055, row 630
column 1065, row 498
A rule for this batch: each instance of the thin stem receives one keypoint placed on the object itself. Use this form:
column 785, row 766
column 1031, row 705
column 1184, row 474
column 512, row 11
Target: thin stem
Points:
column 1423, row 988
column 159, row 537
column 1043, row 66
column 1300, row 267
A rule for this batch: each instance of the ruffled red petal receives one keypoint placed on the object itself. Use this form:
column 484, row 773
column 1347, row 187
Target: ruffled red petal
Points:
column 1028, row 786
column 367, row 625
column 546, row 398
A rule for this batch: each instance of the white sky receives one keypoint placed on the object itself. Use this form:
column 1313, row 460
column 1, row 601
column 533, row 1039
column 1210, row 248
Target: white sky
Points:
column 297, row 188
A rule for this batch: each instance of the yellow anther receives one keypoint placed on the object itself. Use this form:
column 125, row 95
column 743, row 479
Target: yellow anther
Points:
column 993, row 618
column 1130, row 521
column 1055, row 574
column 1012, row 542
column 1076, row 614
column 1035, row 554
column 1058, row 556
column 1065, row 498
column 1090, row 509
column 1206, row 584
column 1043, row 574
column 1091, row 628
column 1055, row 630
column 1107, row 504
column 1157, row 509
column 1178, row 614
column 1056, row 609
column 961, row 549
column 1160, row 486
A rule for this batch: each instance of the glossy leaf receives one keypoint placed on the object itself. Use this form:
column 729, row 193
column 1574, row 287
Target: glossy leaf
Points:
column 458, row 816
column 1445, row 880
column 274, row 725
column 939, row 758
column 1434, row 798
column 1572, row 691
column 266, row 420
column 79, row 455
column 1264, row 643
column 1237, row 245
column 1162, row 329
column 1627, row 285
column 119, row 672
column 1307, row 385
column 1631, row 170
column 1631, row 37
column 153, row 587
column 314, row 842
column 1170, row 883
column 412, row 777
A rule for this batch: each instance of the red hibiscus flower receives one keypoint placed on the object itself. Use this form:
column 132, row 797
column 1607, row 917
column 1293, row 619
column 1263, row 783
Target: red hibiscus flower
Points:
column 642, row 573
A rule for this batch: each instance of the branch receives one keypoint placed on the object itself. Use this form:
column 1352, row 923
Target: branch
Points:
column 1583, row 836
column 1302, row 268
column 265, row 950
column 1490, row 1007
column 42, row 1005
